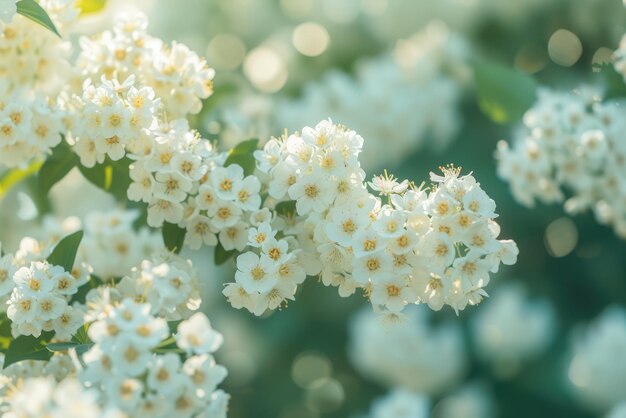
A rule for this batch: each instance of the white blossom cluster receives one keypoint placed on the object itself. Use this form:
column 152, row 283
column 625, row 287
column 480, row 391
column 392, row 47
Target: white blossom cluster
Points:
column 410, row 353
column 113, row 117
column 472, row 400
column 31, row 55
column 570, row 148
column 167, row 282
column 178, row 76
column 399, row 101
column 110, row 245
column 40, row 301
column 404, row 246
column 511, row 328
column 29, row 127
column 126, row 367
column 31, row 60
column 59, row 367
column 597, row 370
column 42, row 396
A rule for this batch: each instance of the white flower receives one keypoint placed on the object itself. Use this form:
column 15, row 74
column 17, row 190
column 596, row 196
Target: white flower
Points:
column 226, row 181
column 195, row 335
column 256, row 274
column 400, row 403
column 8, row 9
column 511, row 329
column 311, row 193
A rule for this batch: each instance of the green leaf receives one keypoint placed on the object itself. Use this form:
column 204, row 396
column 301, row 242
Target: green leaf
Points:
column 65, row 251
column 242, row 154
column 32, row 10
column 287, row 208
column 110, row 176
column 504, row 94
column 173, row 237
column 13, row 177
column 81, row 336
column 56, row 167
column 28, row 348
column 221, row 255
column 90, row 6
column 5, row 333
column 614, row 86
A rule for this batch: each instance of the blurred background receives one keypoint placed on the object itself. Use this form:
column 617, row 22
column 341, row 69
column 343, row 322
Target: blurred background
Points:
column 551, row 339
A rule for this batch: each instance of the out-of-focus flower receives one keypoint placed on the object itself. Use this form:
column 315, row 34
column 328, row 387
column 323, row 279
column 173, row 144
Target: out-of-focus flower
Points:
column 472, row 400
column 408, row 353
column 400, row 403
column 509, row 328
column 597, row 370
column 570, row 145
column 398, row 101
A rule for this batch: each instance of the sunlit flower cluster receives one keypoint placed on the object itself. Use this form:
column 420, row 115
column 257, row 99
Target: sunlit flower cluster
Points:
column 570, row 149
column 112, row 119
column 408, row 353
column 179, row 77
column 167, row 282
column 406, row 245
column 110, row 245
column 40, row 301
column 405, row 98
column 29, row 127
column 597, row 370
column 42, row 396
column 125, row 364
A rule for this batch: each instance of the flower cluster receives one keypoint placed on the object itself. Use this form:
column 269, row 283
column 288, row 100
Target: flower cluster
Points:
column 40, row 301
column 29, row 127
column 125, row 364
column 597, row 369
column 179, row 77
column 167, row 282
column 570, row 145
column 511, row 328
column 110, row 245
column 408, row 353
column 31, row 56
column 42, row 396
column 112, row 119
column 404, row 98
column 404, row 246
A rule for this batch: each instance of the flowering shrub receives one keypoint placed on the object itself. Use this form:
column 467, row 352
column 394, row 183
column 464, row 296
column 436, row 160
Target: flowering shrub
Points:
column 113, row 308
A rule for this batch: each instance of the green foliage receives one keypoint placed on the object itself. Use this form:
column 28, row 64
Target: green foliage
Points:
column 221, row 255
column 66, row 346
column 90, row 6
column 110, row 176
column 65, row 251
column 32, row 10
column 28, row 348
column 504, row 94
column 5, row 333
column 286, row 209
column 614, row 86
column 13, row 177
column 242, row 154
column 56, row 167
column 173, row 237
